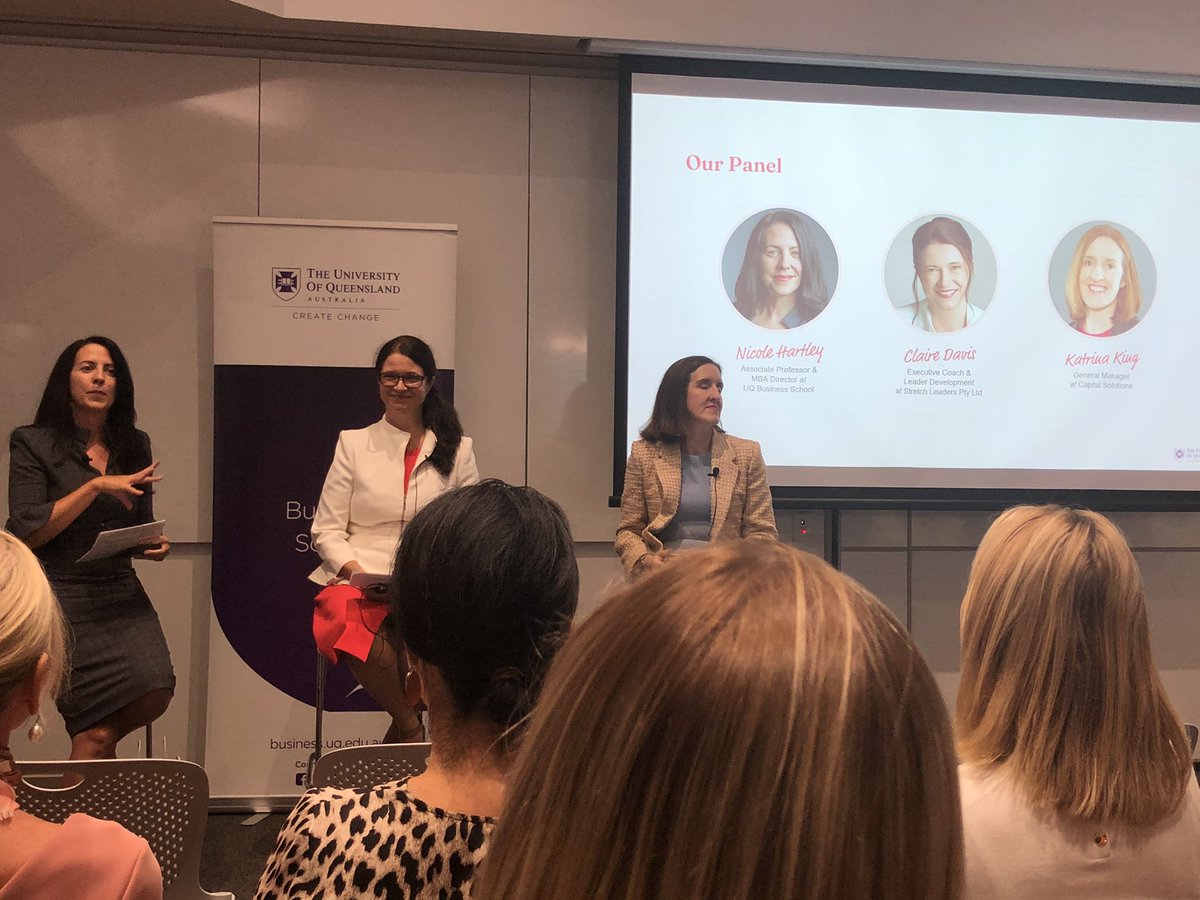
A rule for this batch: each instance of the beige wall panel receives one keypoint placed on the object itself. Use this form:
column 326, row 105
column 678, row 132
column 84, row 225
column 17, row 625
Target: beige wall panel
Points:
column 111, row 168
column 948, row 683
column 884, row 573
column 413, row 145
column 874, row 528
column 1161, row 529
column 572, row 297
column 1173, row 603
column 939, row 578
column 600, row 573
column 950, row 528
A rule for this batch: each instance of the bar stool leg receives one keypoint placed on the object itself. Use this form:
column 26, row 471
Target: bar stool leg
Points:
column 322, row 672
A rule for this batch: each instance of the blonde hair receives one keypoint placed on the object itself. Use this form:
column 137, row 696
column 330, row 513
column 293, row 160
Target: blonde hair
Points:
column 1058, row 681
column 746, row 722
column 31, row 622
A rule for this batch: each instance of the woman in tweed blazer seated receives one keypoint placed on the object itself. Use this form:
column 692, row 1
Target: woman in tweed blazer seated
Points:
column 687, row 481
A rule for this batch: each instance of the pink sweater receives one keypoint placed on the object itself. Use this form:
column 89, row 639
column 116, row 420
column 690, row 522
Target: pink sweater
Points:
column 90, row 859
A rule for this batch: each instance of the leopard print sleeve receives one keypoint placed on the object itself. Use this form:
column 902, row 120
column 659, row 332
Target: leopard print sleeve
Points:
column 373, row 842
column 295, row 865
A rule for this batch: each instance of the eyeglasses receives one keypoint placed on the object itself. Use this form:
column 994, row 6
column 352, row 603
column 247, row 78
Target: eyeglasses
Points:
column 410, row 379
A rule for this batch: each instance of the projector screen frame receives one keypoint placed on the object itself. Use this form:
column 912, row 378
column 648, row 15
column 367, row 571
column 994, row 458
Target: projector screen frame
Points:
column 881, row 77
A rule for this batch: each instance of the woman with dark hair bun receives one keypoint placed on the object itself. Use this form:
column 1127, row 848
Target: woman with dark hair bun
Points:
column 82, row 467
column 381, row 476
column 687, row 481
column 484, row 588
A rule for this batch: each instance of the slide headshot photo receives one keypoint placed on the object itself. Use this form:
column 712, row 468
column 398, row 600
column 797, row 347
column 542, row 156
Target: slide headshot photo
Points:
column 780, row 269
column 940, row 274
column 1102, row 279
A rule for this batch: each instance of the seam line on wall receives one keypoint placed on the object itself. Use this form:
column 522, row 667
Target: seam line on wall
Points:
column 258, row 163
column 908, row 574
column 528, row 248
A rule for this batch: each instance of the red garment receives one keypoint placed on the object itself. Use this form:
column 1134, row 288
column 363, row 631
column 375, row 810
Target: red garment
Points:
column 410, row 463
column 344, row 619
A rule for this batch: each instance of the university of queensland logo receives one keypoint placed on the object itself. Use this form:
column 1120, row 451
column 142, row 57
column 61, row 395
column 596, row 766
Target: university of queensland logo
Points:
column 285, row 283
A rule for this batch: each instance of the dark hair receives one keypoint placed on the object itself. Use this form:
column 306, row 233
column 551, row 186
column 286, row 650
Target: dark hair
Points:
column 484, row 589
column 751, row 296
column 436, row 413
column 942, row 230
column 120, row 433
column 669, row 418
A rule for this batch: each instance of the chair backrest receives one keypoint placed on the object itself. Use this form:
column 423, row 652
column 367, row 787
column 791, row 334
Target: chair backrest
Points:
column 353, row 767
column 164, row 801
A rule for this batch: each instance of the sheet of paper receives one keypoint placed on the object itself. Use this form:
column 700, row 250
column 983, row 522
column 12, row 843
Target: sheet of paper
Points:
column 118, row 540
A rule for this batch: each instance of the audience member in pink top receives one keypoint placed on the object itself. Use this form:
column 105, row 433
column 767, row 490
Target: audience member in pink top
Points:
column 84, row 858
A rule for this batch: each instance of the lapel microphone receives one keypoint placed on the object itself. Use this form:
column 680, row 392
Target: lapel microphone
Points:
column 716, row 470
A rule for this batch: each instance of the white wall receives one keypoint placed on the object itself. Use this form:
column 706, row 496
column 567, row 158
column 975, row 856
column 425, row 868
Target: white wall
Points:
column 114, row 162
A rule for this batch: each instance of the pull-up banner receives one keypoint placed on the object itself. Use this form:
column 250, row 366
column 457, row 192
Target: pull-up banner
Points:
column 300, row 308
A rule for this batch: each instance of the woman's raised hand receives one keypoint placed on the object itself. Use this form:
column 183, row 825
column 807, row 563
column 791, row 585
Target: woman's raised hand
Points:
column 126, row 487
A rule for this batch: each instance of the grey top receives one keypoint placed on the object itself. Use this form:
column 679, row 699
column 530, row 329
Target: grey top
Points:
column 43, row 468
column 693, row 520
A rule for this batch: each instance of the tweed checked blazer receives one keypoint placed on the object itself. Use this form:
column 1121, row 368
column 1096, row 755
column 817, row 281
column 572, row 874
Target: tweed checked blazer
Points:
column 740, row 499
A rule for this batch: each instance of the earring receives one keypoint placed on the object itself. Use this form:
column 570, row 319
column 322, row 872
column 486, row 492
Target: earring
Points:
column 36, row 730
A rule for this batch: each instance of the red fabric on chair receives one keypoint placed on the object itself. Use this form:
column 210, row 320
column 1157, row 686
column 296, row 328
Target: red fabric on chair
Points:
column 346, row 620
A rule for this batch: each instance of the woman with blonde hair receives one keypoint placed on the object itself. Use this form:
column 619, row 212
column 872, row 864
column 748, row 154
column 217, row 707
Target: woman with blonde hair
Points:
column 1076, row 778
column 744, row 722
column 83, row 857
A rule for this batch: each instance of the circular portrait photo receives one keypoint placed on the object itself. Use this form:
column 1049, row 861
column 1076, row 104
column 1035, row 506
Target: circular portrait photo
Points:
column 940, row 274
column 1102, row 279
column 780, row 269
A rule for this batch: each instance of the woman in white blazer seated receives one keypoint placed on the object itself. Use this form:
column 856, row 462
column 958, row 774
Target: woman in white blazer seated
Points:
column 380, row 477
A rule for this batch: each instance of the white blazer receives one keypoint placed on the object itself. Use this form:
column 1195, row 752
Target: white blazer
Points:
column 364, row 507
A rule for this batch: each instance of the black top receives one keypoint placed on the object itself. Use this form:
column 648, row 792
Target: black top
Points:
column 44, row 468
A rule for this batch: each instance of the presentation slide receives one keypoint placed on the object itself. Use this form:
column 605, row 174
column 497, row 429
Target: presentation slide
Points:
column 923, row 289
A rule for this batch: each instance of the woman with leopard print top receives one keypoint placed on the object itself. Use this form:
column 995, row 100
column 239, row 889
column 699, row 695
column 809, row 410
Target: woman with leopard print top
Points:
column 484, row 588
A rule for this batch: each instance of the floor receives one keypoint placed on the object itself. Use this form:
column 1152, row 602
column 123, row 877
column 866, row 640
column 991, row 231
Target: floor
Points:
column 235, row 854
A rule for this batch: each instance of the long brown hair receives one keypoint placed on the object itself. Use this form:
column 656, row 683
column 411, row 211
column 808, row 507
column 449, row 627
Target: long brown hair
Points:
column 744, row 723
column 751, row 297
column 1058, row 681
